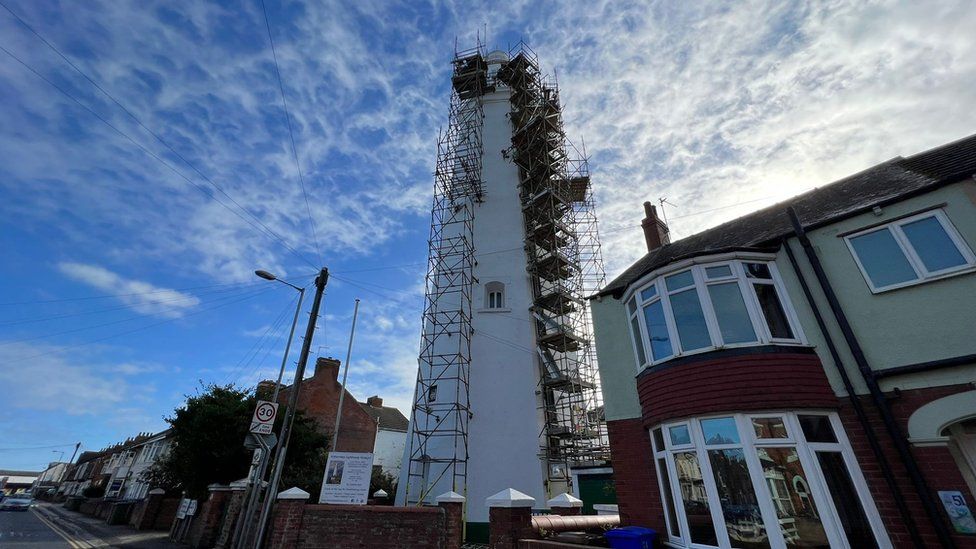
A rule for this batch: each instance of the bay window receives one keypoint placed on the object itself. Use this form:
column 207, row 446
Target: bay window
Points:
column 703, row 307
column 769, row 480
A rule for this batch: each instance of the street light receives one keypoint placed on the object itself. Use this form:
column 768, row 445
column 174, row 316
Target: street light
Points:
column 259, row 478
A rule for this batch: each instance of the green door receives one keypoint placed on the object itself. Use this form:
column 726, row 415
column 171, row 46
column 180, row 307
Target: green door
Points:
column 595, row 489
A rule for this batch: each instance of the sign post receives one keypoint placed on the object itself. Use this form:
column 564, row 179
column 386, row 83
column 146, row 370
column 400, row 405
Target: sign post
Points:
column 346, row 478
column 264, row 416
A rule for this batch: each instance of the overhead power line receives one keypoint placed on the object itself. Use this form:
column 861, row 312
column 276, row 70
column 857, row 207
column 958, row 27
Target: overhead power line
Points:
column 21, row 360
column 37, row 447
column 291, row 132
column 114, row 322
column 261, row 226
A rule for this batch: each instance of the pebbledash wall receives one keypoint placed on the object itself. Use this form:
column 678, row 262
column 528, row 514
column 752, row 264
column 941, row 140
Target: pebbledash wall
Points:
column 919, row 342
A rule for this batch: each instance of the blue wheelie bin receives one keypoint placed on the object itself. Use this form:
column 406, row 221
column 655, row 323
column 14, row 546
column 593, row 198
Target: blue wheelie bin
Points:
column 631, row 537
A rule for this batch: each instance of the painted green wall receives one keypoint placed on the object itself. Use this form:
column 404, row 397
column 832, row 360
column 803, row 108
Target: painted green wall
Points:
column 920, row 323
column 615, row 354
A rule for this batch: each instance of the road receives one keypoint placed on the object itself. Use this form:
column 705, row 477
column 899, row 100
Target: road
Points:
column 20, row 530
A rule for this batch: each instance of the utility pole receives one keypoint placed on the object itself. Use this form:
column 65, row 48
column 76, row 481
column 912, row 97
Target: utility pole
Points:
column 296, row 386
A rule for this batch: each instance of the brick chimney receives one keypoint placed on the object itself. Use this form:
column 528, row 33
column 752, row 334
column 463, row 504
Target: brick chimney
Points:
column 328, row 367
column 375, row 401
column 655, row 230
column 265, row 389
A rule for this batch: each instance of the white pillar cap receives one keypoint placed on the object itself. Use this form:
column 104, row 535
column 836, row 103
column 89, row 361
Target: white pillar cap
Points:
column 450, row 497
column 294, row 493
column 157, row 491
column 565, row 500
column 381, row 493
column 510, row 498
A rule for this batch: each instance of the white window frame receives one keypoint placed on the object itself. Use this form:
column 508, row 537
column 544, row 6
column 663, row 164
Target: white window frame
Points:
column 749, row 444
column 922, row 274
column 760, row 325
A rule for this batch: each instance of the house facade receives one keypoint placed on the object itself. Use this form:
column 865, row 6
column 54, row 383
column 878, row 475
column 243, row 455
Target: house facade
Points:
column 391, row 435
column 126, row 481
column 803, row 375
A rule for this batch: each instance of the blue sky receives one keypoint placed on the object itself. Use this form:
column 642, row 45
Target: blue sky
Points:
column 125, row 284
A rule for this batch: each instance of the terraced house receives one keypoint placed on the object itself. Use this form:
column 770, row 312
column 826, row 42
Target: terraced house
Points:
column 803, row 376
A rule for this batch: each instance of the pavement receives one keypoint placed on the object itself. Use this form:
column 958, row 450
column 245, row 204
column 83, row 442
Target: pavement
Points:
column 51, row 525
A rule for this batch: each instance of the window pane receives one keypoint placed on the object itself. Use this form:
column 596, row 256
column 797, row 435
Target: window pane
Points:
column 679, row 435
column 769, row 427
column 689, row 320
column 779, row 325
column 743, row 520
column 649, row 293
column 731, row 312
column 722, row 271
column 657, row 331
column 694, row 498
column 846, row 500
column 720, row 430
column 658, row 440
column 680, row 280
column 932, row 244
column 758, row 270
column 632, row 306
column 668, row 496
column 638, row 341
column 797, row 514
column 882, row 258
column 817, row 429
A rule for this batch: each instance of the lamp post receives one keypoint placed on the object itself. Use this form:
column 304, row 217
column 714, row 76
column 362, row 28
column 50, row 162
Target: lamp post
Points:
column 251, row 500
column 320, row 281
column 284, row 360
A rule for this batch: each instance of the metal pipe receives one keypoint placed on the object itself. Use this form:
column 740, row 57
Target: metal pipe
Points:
column 345, row 372
column 862, row 417
column 877, row 396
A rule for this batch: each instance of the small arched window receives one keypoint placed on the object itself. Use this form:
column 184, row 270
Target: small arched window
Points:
column 495, row 295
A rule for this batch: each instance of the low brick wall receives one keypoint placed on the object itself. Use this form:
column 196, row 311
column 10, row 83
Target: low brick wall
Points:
column 296, row 525
column 349, row 526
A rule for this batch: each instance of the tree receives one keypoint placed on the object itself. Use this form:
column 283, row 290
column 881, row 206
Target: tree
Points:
column 208, row 444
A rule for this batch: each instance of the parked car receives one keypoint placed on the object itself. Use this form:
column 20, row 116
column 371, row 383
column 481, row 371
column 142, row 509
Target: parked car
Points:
column 16, row 503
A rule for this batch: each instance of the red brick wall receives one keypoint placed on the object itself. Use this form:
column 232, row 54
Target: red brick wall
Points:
column 735, row 384
column 940, row 470
column 319, row 399
column 353, row 526
column 633, row 474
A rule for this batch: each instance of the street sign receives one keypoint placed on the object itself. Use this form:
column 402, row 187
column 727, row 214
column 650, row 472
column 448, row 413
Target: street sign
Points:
column 253, row 441
column 264, row 416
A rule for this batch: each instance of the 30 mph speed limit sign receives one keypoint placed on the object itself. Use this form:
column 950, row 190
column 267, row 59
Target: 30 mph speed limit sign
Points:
column 264, row 417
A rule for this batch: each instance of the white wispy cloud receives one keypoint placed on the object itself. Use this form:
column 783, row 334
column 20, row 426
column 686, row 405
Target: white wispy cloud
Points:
column 76, row 384
column 142, row 296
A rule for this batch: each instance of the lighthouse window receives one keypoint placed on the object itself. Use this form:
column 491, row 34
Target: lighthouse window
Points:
column 710, row 306
column 495, row 295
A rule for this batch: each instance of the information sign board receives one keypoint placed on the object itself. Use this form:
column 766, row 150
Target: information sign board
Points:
column 346, row 478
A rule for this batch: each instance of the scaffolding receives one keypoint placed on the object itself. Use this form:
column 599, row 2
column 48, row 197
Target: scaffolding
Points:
column 438, row 445
column 564, row 263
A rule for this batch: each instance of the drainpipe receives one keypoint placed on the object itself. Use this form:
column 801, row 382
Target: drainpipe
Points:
column 862, row 417
column 877, row 397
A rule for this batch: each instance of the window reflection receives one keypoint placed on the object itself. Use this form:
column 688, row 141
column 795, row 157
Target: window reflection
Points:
column 743, row 519
column 690, row 320
column 769, row 427
column 797, row 514
column 694, row 498
column 848, row 505
column 720, row 430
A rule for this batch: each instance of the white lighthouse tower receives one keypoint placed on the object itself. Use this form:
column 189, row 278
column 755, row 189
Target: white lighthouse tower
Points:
column 507, row 392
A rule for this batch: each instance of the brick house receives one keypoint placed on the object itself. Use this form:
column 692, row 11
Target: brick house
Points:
column 391, row 434
column 803, row 375
column 319, row 399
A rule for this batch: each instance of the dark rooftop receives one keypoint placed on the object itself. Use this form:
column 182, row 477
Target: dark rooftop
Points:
column 387, row 417
column 9, row 473
column 887, row 182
